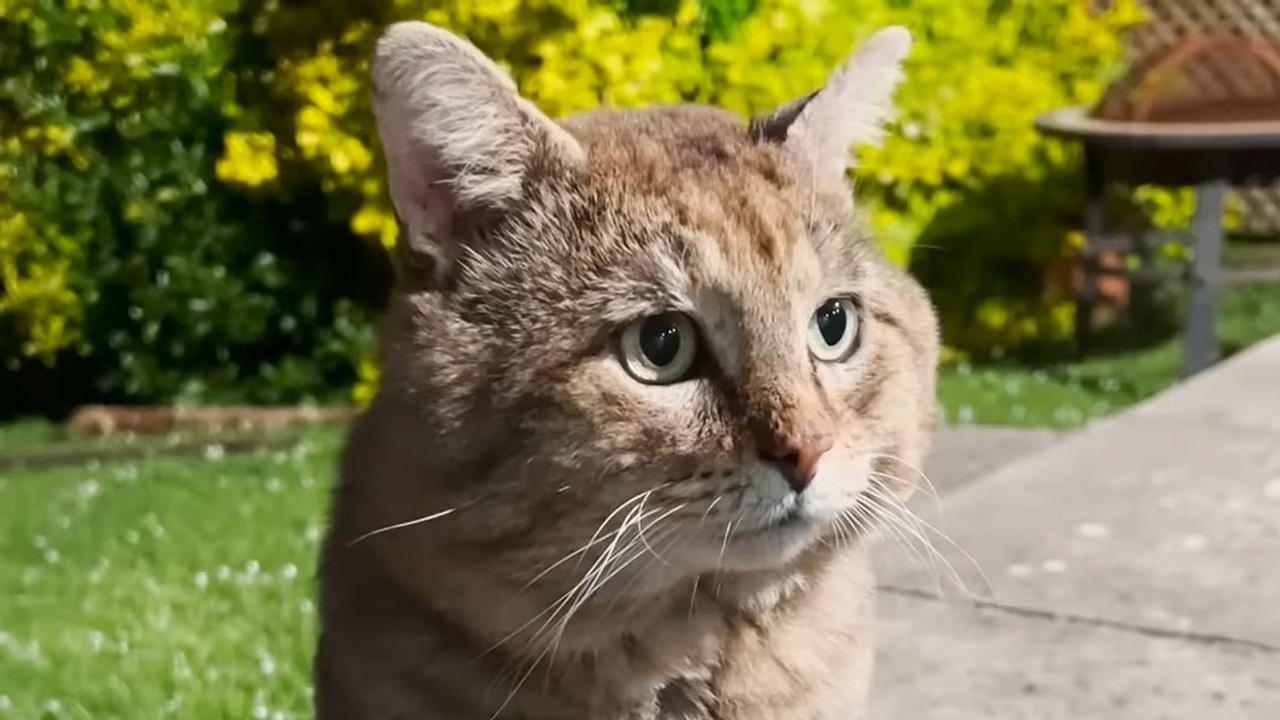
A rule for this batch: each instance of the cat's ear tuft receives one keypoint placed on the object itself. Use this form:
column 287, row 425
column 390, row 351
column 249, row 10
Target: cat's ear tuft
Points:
column 818, row 130
column 459, row 140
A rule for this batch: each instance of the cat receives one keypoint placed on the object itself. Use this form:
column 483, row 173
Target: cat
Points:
column 645, row 381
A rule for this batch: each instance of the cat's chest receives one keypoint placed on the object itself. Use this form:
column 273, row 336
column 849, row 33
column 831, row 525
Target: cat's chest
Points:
column 765, row 687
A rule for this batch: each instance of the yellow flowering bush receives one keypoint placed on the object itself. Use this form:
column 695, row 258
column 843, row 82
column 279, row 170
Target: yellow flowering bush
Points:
column 195, row 187
column 979, row 74
column 37, row 295
column 965, row 189
column 127, row 270
column 57, row 89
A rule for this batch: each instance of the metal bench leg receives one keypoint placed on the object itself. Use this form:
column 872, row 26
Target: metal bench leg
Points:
column 1095, row 225
column 1200, row 342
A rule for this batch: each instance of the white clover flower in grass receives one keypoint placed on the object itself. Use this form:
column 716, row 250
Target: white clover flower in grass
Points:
column 181, row 668
column 173, row 705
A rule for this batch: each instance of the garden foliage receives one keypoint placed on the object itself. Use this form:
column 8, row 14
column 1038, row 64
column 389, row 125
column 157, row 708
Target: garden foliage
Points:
column 191, row 204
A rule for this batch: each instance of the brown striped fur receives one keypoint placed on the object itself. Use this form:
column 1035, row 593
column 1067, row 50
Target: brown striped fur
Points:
column 507, row 418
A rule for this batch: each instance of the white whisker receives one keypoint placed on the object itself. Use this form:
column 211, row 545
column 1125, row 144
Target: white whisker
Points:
column 889, row 526
column 405, row 524
column 924, row 528
column 893, row 520
column 707, row 512
column 933, row 490
column 724, row 544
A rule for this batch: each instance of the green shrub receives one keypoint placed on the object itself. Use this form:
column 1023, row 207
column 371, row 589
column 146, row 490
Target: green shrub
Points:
column 979, row 74
column 201, row 205
column 121, row 257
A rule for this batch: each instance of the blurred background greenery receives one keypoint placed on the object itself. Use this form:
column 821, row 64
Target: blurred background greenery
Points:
column 192, row 208
column 192, row 212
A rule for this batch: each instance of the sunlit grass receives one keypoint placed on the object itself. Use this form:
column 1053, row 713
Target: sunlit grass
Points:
column 1071, row 394
column 172, row 588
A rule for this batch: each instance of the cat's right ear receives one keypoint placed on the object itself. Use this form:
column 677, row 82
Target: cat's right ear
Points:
column 459, row 142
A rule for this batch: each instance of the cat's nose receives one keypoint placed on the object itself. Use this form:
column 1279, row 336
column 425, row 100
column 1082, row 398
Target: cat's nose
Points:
column 796, row 459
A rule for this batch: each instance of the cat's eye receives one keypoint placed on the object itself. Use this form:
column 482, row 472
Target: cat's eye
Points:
column 833, row 330
column 659, row 349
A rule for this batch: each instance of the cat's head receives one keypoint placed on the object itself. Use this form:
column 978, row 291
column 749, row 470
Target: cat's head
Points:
column 664, row 319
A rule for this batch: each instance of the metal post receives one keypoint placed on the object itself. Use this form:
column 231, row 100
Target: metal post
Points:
column 1200, row 343
column 1095, row 225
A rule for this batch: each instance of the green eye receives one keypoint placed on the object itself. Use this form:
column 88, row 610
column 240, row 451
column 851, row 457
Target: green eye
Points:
column 833, row 330
column 659, row 349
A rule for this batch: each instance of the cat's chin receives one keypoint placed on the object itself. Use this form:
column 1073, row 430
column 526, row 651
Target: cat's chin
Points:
column 770, row 546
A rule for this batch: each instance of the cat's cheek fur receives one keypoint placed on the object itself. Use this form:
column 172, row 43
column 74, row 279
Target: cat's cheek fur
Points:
column 628, row 422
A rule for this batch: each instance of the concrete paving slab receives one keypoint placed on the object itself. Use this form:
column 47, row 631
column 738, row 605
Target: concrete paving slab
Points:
column 1153, row 522
column 1244, row 391
column 962, row 454
column 1169, row 520
column 941, row 661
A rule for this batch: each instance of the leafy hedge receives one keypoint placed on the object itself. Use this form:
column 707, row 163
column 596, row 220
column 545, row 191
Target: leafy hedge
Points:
column 129, row 271
column 192, row 205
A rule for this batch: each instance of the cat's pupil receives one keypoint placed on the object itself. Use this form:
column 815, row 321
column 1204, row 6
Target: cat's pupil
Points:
column 832, row 322
column 659, row 340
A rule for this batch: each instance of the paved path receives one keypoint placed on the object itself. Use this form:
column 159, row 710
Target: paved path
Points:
column 1134, row 571
column 963, row 454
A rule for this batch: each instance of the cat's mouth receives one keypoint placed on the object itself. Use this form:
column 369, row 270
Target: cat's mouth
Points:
column 795, row 518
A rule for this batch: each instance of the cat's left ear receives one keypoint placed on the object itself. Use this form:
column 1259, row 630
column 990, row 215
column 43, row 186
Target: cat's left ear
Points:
column 818, row 130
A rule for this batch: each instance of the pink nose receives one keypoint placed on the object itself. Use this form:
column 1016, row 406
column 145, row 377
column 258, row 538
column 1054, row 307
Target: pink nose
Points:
column 797, row 461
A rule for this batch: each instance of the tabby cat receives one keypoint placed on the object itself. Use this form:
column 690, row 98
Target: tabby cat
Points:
column 644, row 382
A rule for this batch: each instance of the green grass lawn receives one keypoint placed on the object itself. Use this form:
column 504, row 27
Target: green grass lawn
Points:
column 1070, row 394
column 171, row 588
